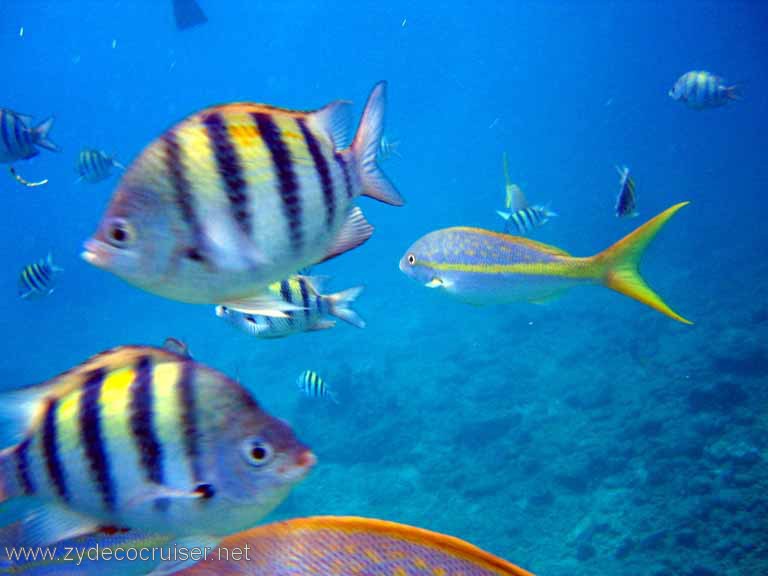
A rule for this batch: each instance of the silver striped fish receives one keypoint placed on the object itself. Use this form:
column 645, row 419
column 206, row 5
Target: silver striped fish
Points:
column 313, row 386
column 144, row 438
column 626, row 201
column 18, row 140
column 239, row 196
column 523, row 221
column 302, row 291
column 700, row 89
column 38, row 279
column 95, row 165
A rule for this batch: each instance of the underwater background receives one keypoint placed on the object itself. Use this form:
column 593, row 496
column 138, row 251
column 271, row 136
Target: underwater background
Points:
column 586, row 435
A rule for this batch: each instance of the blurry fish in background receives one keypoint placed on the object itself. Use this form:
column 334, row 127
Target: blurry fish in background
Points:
column 626, row 201
column 700, row 90
column 239, row 196
column 188, row 14
column 38, row 279
column 483, row 267
column 24, row 182
column 18, row 140
column 143, row 438
column 95, row 165
column 522, row 217
column 313, row 386
column 388, row 148
column 345, row 545
column 302, row 291
column 177, row 346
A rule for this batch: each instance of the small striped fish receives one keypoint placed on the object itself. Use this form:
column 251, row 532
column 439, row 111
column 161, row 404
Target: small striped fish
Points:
column 700, row 89
column 484, row 267
column 313, row 386
column 18, row 140
column 239, row 196
column 95, row 165
column 144, row 438
column 523, row 221
column 38, row 279
column 301, row 291
column 626, row 201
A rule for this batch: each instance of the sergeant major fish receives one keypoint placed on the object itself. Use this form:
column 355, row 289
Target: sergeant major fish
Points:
column 303, row 291
column 19, row 140
column 39, row 278
column 95, row 165
column 522, row 217
column 626, row 201
column 239, row 196
column 700, row 89
column 144, row 438
column 313, row 386
column 484, row 267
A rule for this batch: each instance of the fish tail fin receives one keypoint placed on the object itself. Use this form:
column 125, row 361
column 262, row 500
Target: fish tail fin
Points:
column 618, row 266
column 735, row 91
column 54, row 267
column 505, row 215
column 365, row 147
column 41, row 135
column 340, row 306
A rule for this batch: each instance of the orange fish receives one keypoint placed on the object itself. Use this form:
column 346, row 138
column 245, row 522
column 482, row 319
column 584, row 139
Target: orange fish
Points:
column 343, row 545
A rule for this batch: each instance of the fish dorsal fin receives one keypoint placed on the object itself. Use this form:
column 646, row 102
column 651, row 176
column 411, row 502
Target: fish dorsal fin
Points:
column 335, row 121
column 516, row 198
column 355, row 231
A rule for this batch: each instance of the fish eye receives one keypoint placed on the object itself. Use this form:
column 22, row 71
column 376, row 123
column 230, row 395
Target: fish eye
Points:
column 120, row 232
column 411, row 259
column 257, row 452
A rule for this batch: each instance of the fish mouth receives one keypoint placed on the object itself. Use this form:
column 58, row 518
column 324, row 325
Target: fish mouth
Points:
column 303, row 463
column 93, row 253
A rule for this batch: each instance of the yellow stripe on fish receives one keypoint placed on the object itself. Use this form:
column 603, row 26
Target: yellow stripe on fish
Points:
column 483, row 267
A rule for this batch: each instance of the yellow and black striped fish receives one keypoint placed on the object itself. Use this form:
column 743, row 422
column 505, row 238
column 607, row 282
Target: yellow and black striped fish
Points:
column 95, row 165
column 313, row 386
column 38, row 279
column 302, row 291
column 19, row 140
column 239, row 196
column 148, row 439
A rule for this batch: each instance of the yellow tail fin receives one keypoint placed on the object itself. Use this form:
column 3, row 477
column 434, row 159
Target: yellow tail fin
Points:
column 617, row 266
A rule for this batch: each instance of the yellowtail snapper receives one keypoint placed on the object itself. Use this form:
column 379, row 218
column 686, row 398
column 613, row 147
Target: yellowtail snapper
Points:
column 39, row 278
column 484, row 267
column 313, row 386
column 303, row 291
column 239, row 196
column 95, row 165
column 626, row 201
column 522, row 218
column 19, row 140
column 144, row 438
column 700, row 89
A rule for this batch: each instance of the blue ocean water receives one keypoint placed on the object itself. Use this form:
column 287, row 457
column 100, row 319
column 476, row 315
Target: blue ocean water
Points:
column 587, row 435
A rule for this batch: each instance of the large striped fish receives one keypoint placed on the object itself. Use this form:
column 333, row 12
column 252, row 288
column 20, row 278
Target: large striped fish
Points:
column 315, row 307
column 239, row 196
column 484, row 267
column 19, row 140
column 145, row 438
column 700, row 89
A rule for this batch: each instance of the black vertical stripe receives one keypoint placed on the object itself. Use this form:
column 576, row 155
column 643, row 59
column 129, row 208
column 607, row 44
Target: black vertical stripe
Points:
column 230, row 170
column 92, row 438
column 142, row 422
column 183, row 197
column 305, row 297
column 319, row 302
column 283, row 163
column 4, row 115
column 39, row 279
column 22, row 467
column 188, row 412
column 29, row 280
column 51, row 450
column 345, row 170
column 285, row 292
column 321, row 166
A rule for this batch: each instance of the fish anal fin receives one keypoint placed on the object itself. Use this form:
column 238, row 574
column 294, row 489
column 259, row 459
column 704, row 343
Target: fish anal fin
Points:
column 49, row 523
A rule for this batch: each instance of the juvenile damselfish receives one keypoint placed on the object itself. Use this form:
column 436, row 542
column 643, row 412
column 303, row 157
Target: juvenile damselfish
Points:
column 303, row 291
column 148, row 439
column 239, row 196
column 19, row 140
column 95, row 165
column 700, row 89
column 483, row 267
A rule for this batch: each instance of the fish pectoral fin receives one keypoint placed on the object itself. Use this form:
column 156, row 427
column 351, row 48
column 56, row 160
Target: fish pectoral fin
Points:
column 263, row 305
column 161, row 492
column 323, row 325
column 48, row 523
column 355, row 231
column 435, row 283
column 206, row 544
